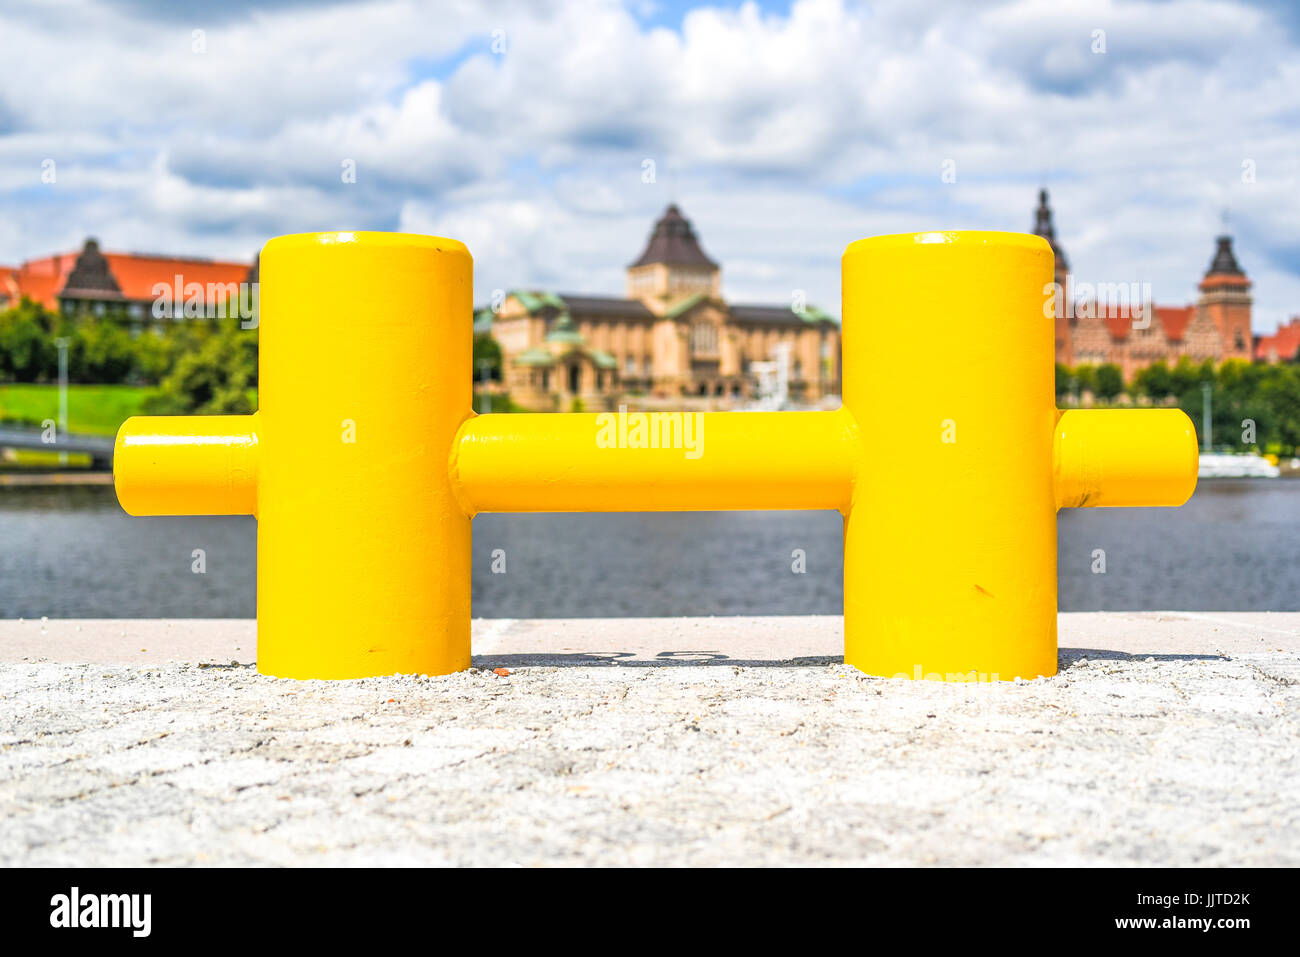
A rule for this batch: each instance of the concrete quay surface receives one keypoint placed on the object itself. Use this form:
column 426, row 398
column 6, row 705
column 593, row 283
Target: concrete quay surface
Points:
column 1168, row 738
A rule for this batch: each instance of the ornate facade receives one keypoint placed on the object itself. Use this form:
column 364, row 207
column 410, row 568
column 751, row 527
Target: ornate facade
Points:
column 671, row 337
column 1216, row 327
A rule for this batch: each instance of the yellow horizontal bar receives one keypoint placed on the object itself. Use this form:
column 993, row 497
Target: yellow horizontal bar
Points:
column 1107, row 457
column 187, row 465
column 655, row 461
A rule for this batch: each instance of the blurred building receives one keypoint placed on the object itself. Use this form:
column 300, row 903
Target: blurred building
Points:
column 671, row 336
column 140, row 288
column 1216, row 326
column 1281, row 346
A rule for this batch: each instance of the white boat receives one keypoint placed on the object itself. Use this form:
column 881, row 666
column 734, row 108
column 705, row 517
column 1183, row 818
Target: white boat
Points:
column 1249, row 465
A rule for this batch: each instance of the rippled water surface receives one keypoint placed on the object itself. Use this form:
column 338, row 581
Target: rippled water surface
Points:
column 71, row 552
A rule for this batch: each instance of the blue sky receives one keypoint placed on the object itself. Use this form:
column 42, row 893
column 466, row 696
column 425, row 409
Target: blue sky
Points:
column 784, row 130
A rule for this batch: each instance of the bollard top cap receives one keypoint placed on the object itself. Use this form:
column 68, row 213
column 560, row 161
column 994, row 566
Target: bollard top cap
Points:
column 966, row 238
column 371, row 240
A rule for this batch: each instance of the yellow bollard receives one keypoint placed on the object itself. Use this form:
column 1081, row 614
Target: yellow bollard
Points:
column 365, row 465
column 363, row 552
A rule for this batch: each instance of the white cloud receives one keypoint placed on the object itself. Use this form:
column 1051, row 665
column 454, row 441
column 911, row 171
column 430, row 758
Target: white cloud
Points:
column 784, row 136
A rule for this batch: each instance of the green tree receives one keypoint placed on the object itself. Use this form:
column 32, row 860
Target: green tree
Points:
column 1110, row 381
column 1154, row 380
column 1280, row 392
column 154, row 354
column 100, row 352
column 487, row 357
column 219, row 377
column 1062, row 381
column 1086, row 375
column 27, row 352
column 1187, row 375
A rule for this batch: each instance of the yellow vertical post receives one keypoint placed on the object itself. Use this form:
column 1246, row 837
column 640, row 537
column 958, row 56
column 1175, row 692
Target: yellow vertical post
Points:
column 950, row 542
column 363, row 553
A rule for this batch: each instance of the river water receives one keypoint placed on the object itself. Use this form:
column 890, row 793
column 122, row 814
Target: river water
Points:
column 71, row 552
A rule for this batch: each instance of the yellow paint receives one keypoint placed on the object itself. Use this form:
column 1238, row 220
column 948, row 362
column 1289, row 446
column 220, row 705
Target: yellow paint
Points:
column 365, row 464
column 584, row 462
column 187, row 465
column 1117, row 457
column 950, row 548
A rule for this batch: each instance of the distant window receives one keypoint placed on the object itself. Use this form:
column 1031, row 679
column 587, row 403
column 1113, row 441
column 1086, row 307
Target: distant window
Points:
column 649, row 367
column 704, row 338
column 629, row 365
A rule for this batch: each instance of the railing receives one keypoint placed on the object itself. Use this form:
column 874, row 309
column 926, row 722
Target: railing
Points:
column 98, row 447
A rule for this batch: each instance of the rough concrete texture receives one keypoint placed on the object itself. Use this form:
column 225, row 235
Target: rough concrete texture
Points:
column 1183, row 755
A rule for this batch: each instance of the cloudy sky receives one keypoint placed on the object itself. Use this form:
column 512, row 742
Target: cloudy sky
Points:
column 784, row 130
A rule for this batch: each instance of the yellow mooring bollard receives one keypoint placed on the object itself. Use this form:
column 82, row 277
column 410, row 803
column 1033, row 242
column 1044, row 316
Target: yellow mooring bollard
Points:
column 365, row 463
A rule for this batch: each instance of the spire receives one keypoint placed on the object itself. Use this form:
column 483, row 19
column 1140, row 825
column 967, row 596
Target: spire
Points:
column 1224, row 262
column 1043, row 227
column 90, row 276
column 673, row 242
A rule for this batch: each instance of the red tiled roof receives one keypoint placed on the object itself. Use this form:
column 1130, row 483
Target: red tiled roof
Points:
column 43, row 279
column 1174, row 319
column 1284, row 344
column 1118, row 323
column 137, row 275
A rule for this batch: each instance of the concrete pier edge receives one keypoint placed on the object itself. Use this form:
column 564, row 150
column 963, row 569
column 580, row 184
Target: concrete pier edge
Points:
column 1167, row 738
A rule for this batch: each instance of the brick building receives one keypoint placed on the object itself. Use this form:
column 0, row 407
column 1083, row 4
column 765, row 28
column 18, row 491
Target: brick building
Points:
column 126, row 285
column 1281, row 346
column 1216, row 326
column 671, row 336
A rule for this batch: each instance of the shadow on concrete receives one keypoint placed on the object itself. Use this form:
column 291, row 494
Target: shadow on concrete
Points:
column 665, row 659
column 1070, row 655
column 696, row 659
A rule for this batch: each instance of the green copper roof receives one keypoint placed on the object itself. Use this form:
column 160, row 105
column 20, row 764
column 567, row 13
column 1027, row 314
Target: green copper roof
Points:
column 813, row 314
column 679, row 308
column 603, row 359
column 565, row 331
column 535, row 357
column 533, row 301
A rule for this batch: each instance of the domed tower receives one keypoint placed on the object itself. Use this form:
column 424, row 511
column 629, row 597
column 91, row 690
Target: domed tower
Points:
column 673, row 265
column 1043, row 227
column 1225, row 298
